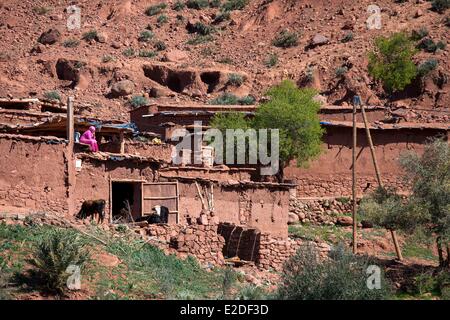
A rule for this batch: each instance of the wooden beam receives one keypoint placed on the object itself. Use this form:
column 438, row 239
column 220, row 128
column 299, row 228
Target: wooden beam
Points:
column 355, row 225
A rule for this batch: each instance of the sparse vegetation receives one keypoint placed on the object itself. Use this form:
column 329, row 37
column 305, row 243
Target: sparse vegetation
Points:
column 52, row 95
column 201, row 29
column 419, row 34
column 90, row 35
column 197, row 4
column 129, row 52
column 147, row 54
column 160, row 45
column 426, row 67
column 428, row 45
column 341, row 71
column 285, row 39
column 235, row 79
column 222, row 16
column 137, row 101
column 230, row 5
column 440, row 5
column 341, row 277
column 71, row 43
column 146, row 36
column 155, row 9
column 347, row 37
column 215, row 3
column 54, row 254
column 271, row 60
column 108, row 58
column 178, row 5
column 199, row 39
column 162, row 19
column 392, row 62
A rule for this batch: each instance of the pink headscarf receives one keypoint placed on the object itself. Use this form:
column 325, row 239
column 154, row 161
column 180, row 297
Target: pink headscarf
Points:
column 92, row 129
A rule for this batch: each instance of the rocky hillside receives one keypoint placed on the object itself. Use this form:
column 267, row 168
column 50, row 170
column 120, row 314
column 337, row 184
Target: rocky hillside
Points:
column 194, row 51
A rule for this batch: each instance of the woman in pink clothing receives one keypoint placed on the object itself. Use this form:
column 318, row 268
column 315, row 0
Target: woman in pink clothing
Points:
column 89, row 138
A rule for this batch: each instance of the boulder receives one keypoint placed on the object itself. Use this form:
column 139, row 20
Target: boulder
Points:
column 122, row 88
column 344, row 221
column 175, row 55
column 50, row 37
column 293, row 218
column 319, row 40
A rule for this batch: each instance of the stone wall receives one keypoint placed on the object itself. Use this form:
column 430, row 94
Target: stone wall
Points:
column 318, row 211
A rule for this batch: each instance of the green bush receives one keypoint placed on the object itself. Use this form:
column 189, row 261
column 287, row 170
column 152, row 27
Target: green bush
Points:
column 197, row 4
column 160, row 45
column 340, row 277
column 178, row 6
column 230, row 5
column 285, row 39
column 440, row 5
column 426, row 67
column 419, row 34
column 146, row 36
column 225, row 99
column 392, row 62
column 271, row 61
column 251, row 292
column 199, row 39
column 162, row 19
column 155, row 9
column 129, row 52
column 54, row 253
column 215, row 3
column 347, row 37
column 90, row 35
column 71, row 43
column 341, row 71
column 235, row 79
column 147, row 54
column 137, row 101
column 222, row 16
column 201, row 28
column 247, row 100
column 52, row 95
column 428, row 45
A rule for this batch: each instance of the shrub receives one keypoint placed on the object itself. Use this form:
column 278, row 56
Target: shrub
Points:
column 197, row 4
column 71, row 43
column 201, row 28
column 199, row 39
column 429, row 45
column 222, row 16
column 90, row 35
column 230, row 99
column 229, row 277
column 426, row 67
column 215, row 3
column 272, row 60
column 235, row 79
column 230, row 5
column 341, row 277
column 107, row 58
column 419, row 34
column 440, row 5
column 347, row 37
column 341, row 71
column 285, row 39
column 146, row 36
column 155, row 9
column 392, row 63
column 247, row 100
column 54, row 254
column 137, row 101
column 129, row 52
column 178, row 6
column 147, row 54
column 162, row 19
column 52, row 95
column 160, row 45
column 251, row 292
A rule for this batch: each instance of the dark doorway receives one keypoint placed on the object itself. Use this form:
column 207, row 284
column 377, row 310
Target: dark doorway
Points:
column 125, row 201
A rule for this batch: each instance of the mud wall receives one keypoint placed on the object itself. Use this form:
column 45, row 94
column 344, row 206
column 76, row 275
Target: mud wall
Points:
column 330, row 174
column 32, row 175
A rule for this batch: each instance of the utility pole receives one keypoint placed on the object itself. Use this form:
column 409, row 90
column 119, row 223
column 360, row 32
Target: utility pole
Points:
column 377, row 172
column 355, row 224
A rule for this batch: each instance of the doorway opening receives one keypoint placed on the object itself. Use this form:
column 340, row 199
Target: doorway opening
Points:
column 126, row 204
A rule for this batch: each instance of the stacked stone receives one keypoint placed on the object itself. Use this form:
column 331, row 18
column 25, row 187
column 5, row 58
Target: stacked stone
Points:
column 318, row 211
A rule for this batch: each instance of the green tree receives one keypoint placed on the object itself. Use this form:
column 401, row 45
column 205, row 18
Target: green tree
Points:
column 428, row 206
column 392, row 63
column 294, row 113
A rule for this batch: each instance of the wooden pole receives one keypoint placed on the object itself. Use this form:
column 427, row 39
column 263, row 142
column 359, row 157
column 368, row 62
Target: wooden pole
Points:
column 70, row 124
column 377, row 172
column 200, row 195
column 355, row 225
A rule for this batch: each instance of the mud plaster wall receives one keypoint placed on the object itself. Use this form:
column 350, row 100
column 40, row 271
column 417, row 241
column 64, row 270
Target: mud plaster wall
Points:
column 260, row 208
column 93, row 180
column 32, row 176
column 330, row 174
